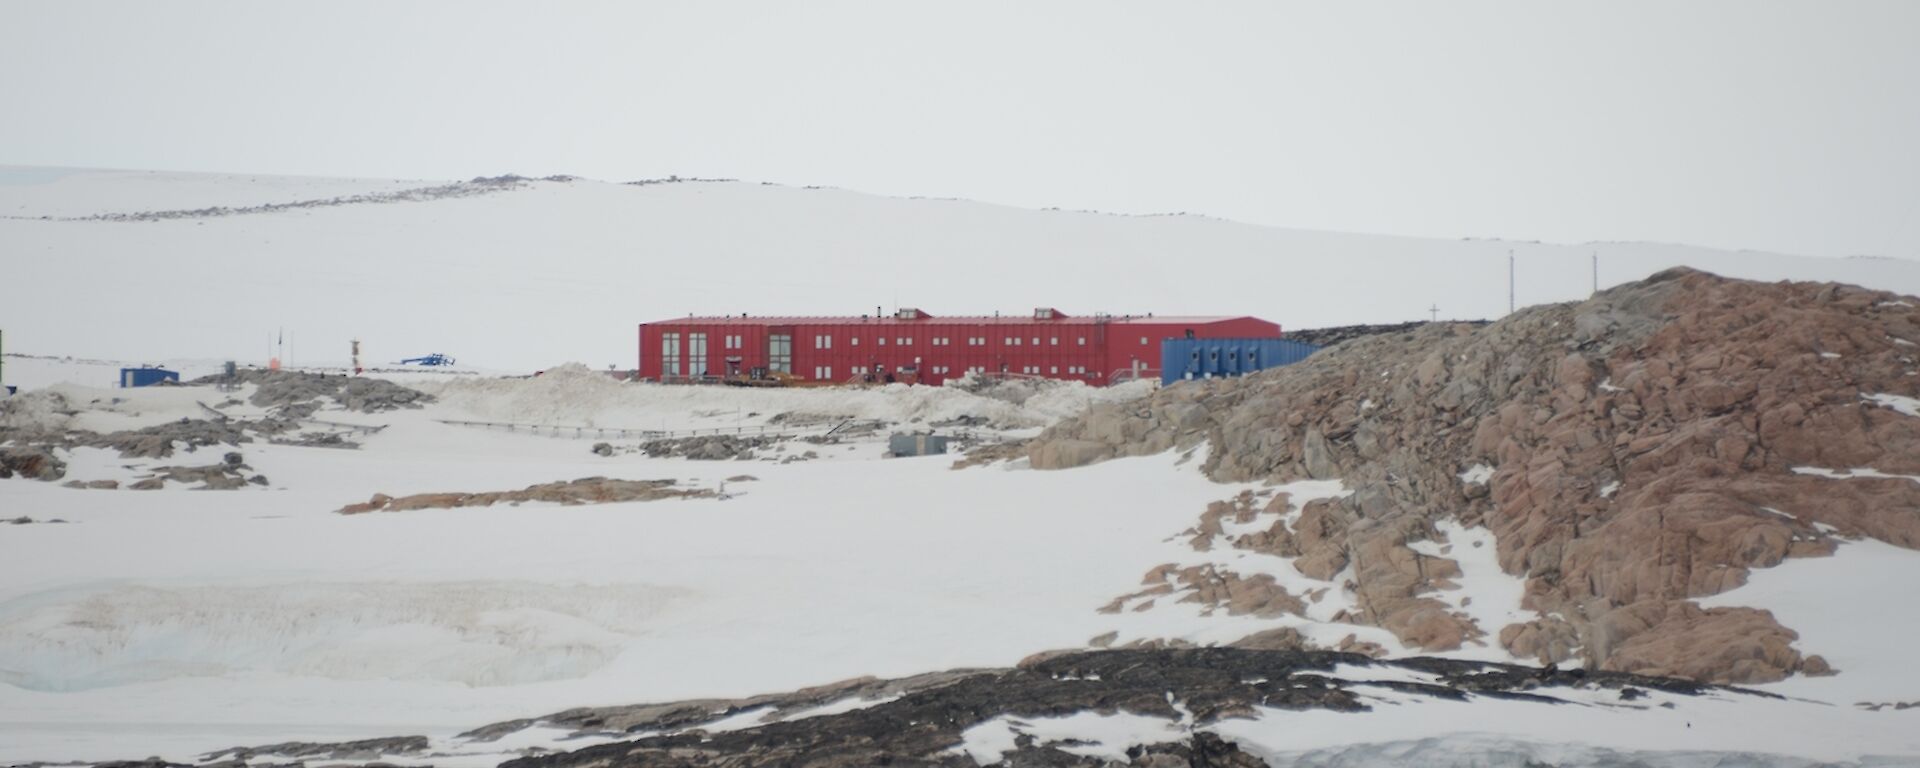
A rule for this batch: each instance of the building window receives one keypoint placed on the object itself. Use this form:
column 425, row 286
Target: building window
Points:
column 856, row 341
column 822, row 372
column 1036, row 341
column 670, row 354
column 697, row 354
column 1143, row 341
column 823, row 342
column 780, row 352
column 1053, row 340
column 1083, row 341
column 883, row 341
column 1055, row 370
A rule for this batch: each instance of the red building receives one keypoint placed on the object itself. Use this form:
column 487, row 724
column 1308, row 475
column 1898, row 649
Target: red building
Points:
column 914, row 346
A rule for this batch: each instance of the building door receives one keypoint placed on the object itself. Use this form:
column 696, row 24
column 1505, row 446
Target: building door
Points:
column 697, row 355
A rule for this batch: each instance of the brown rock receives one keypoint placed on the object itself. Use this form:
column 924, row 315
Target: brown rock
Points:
column 1688, row 399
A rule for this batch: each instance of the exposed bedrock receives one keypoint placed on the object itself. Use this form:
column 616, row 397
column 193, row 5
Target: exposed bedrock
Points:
column 1630, row 452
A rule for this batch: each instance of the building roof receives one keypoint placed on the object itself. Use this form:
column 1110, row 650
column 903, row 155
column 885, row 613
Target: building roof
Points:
column 889, row 320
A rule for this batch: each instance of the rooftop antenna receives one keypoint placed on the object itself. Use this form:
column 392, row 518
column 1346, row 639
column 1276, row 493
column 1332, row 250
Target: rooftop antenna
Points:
column 1510, row 281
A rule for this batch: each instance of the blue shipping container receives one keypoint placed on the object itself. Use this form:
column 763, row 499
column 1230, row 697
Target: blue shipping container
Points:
column 146, row 377
column 1184, row 359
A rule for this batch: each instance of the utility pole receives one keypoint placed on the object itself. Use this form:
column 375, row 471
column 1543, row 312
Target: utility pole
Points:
column 1596, row 271
column 1510, row 282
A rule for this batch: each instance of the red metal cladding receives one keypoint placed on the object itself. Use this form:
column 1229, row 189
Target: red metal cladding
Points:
column 1097, row 350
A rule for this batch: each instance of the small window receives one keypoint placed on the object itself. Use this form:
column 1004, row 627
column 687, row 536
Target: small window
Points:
column 1055, row 370
column 1083, row 341
column 1143, row 341
column 1036, row 341
column 883, row 341
column 1054, row 341
column 856, row 341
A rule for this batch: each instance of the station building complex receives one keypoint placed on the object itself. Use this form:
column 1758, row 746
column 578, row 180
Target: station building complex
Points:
column 914, row 346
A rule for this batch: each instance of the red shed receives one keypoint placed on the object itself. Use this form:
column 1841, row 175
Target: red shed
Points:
column 912, row 345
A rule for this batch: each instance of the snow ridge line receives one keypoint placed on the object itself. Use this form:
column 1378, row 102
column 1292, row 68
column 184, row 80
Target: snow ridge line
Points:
column 458, row 189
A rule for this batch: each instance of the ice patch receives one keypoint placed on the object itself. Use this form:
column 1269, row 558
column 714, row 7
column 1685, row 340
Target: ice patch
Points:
column 1477, row 474
column 1087, row 734
column 1607, row 491
column 843, row 706
column 476, row 633
column 1902, row 403
column 1486, row 594
column 1857, row 472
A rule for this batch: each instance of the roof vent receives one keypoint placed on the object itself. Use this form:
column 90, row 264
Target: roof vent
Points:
column 909, row 313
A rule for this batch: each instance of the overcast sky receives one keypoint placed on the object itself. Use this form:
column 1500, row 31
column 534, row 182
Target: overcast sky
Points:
column 1792, row 127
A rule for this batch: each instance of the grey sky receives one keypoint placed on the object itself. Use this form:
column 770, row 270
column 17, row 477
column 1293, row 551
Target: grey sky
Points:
column 1780, row 126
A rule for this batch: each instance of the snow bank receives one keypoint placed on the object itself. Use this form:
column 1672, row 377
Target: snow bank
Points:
column 574, row 395
column 1855, row 609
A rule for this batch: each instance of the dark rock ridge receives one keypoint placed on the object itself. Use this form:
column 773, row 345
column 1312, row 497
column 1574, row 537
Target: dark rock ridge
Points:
column 925, row 723
column 1327, row 337
column 1630, row 453
column 364, row 749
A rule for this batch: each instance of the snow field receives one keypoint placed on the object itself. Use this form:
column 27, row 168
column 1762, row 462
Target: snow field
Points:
column 210, row 616
column 179, row 623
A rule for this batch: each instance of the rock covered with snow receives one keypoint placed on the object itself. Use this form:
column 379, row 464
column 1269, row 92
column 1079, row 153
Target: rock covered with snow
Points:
column 586, row 490
column 1646, row 447
column 1168, row 708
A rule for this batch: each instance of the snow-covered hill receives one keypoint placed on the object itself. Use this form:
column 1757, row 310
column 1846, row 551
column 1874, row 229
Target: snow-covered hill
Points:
column 535, row 273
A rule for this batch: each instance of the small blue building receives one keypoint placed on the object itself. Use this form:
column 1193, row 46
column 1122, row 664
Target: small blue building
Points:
column 146, row 377
column 1184, row 359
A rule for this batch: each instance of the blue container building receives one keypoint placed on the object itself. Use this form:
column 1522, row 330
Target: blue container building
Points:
column 1185, row 359
column 146, row 377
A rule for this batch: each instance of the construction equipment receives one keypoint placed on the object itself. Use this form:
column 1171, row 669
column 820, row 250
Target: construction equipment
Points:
column 433, row 359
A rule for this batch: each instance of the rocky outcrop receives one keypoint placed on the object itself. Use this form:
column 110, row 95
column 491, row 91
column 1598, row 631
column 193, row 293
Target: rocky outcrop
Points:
column 295, row 389
column 33, row 463
column 710, row 447
column 589, row 490
column 1630, row 453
